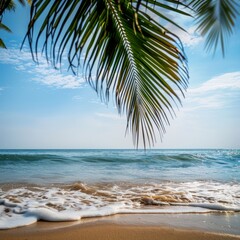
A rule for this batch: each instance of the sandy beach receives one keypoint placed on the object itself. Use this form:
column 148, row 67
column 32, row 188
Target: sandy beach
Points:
column 129, row 227
column 63, row 194
column 111, row 232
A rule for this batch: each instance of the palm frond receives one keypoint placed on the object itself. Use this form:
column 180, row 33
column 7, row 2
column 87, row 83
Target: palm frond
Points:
column 126, row 50
column 215, row 20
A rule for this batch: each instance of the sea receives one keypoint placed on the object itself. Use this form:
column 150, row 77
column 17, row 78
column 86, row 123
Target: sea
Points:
column 70, row 185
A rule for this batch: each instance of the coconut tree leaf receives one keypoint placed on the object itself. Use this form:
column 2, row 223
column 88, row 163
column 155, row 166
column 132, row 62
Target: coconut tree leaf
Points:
column 127, row 52
column 215, row 20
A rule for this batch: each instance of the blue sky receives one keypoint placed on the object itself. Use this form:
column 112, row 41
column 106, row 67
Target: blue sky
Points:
column 44, row 108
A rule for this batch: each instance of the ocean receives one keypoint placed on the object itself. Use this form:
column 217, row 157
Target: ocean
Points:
column 68, row 185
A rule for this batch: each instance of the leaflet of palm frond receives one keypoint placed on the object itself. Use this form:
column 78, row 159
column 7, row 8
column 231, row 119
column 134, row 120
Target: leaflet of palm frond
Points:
column 2, row 45
column 4, row 27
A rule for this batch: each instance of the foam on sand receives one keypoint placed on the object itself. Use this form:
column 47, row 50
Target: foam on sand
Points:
column 24, row 206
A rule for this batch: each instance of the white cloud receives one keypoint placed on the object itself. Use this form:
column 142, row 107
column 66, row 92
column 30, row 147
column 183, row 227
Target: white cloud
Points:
column 214, row 93
column 190, row 38
column 109, row 116
column 41, row 72
column 97, row 101
column 77, row 97
column 225, row 81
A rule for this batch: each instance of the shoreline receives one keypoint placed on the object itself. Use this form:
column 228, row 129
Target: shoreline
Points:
column 131, row 227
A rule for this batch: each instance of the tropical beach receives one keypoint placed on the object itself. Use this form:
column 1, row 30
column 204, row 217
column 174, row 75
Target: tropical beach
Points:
column 119, row 119
column 119, row 193
column 116, row 230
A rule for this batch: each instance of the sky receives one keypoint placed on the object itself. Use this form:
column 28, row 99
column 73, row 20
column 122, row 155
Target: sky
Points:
column 41, row 107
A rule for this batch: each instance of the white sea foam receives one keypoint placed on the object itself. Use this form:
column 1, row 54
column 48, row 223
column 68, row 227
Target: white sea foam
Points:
column 24, row 206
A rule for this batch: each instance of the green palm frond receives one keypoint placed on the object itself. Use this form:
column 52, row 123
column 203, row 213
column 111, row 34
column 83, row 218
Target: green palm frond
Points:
column 215, row 20
column 126, row 50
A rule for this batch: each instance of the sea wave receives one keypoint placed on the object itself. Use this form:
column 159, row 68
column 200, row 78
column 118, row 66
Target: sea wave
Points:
column 52, row 166
column 20, row 206
column 121, row 156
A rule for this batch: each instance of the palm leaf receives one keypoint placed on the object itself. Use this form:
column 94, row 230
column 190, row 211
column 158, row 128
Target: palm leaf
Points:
column 215, row 20
column 126, row 50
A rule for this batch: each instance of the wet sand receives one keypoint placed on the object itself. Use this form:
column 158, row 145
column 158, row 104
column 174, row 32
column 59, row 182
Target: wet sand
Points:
column 132, row 227
column 114, row 232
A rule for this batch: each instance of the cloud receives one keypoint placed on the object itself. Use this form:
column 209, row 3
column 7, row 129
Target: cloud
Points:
column 222, row 82
column 109, row 116
column 97, row 101
column 189, row 38
column 41, row 72
column 77, row 97
column 218, row 92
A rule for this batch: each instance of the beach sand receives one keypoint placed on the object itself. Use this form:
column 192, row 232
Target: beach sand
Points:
column 113, row 232
column 128, row 227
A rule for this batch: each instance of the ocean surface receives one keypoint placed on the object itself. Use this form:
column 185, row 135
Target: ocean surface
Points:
column 68, row 185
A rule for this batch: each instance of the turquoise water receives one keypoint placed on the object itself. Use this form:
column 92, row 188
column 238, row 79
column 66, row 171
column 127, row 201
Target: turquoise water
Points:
column 68, row 185
column 63, row 166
